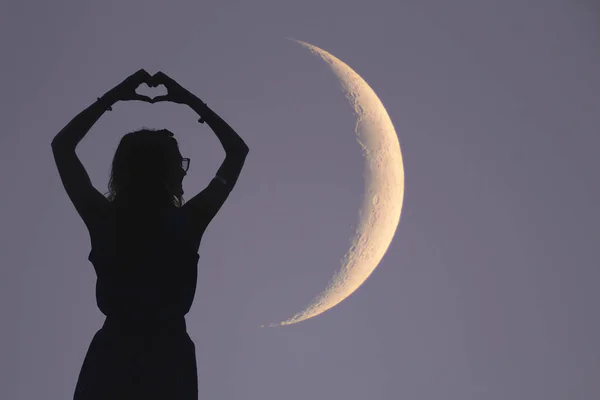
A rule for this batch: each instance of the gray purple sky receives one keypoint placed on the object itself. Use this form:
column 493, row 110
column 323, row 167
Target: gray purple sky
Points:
column 489, row 289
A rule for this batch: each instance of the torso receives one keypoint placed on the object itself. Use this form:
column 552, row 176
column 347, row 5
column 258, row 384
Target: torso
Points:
column 146, row 263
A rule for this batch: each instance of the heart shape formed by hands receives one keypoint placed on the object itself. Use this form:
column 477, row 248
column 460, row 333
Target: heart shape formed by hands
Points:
column 127, row 90
column 175, row 92
column 151, row 92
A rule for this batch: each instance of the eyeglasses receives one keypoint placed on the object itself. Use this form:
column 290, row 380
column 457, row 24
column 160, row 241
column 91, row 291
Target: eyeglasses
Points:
column 185, row 164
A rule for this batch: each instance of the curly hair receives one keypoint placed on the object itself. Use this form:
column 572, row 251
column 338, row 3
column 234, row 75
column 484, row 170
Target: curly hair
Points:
column 141, row 167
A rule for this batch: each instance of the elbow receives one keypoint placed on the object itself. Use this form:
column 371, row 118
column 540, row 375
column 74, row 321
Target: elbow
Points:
column 54, row 144
column 237, row 148
column 241, row 149
column 58, row 145
column 59, row 142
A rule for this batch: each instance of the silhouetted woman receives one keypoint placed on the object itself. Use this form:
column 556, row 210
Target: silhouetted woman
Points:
column 144, row 247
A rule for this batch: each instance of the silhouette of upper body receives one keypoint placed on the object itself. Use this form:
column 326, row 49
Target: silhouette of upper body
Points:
column 144, row 247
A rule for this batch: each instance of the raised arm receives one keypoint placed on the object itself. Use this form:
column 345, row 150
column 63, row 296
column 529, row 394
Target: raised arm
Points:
column 75, row 179
column 204, row 206
column 235, row 148
column 87, row 200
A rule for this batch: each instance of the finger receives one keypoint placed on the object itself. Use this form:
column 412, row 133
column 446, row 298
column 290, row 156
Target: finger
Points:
column 135, row 75
column 160, row 75
column 162, row 78
column 141, row 72
column 146, row 77
column 153, row 82
column 140, row 76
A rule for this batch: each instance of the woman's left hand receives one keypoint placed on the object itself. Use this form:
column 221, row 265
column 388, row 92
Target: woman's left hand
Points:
column 125, row 90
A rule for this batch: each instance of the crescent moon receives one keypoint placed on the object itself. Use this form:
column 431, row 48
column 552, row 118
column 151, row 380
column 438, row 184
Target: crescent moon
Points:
column 379, row 215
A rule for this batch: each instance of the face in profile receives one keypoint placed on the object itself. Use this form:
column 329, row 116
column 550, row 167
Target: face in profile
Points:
column 176, row 170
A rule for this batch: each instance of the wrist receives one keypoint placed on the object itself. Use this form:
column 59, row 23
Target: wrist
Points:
column 200, row 108
column 195, row 103
column 107, row 101
column 109, row 98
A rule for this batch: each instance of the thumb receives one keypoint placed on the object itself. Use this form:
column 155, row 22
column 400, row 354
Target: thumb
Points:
column 164, row 97
column 136, row 96
column 143, row 98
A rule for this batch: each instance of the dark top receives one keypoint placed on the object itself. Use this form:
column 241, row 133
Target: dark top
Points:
column 145, row 263
column 145, row 256
column 146, row 260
